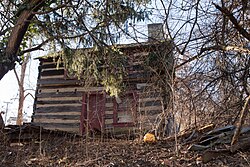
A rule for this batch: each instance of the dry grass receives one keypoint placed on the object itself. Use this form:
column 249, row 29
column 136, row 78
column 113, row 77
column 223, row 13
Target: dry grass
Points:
column 58, row 150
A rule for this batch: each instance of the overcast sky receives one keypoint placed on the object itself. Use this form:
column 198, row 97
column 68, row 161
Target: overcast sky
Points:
column 9, row 89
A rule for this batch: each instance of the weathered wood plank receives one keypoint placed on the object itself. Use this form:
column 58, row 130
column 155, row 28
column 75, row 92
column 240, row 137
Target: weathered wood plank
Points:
column 52, row 77
column 57, row 125
column 109, row 127
column 149, row 94
column 48, row 62
column 109, row 111
column 108, row 116
column 150, row 112
column 140, row 54
column 149, row 108
column 44, row 113
column 142, row 85
column 151, row 103
column 75, row 88
column 59, row 95
column 64, row 117
column 52, row 72
column 130, row 72
column 48, row 59
column 137, row 76
column 56, row 109
column 52, row 68
column 109, row 104
column 59, row 98
column 49, row 65
column 56, row 82
column 109, row 121
column 58, row 105
column 66, row 102
column 123, row 130
column 42, row 120
column 141, row 100
column 69, row 129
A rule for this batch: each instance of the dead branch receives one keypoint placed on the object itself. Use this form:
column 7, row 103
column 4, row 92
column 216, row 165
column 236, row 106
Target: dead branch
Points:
column 231, row 17
column 241, row 121
column 226, row 48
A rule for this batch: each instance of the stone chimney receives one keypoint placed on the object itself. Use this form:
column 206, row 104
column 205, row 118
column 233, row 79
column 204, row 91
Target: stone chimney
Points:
column 156, row 32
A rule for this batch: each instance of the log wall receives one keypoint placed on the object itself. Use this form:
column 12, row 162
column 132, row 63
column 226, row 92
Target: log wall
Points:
column 59, row 100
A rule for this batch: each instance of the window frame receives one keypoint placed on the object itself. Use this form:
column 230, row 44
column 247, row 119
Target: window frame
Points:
column 133, row 114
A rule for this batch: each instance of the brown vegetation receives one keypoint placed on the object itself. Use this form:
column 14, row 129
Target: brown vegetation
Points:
column 51, row 148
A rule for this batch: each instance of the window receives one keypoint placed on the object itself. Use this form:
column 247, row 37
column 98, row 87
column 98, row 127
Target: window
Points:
column 125, row 109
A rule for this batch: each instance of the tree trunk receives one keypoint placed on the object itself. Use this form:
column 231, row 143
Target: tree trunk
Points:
column 1, row 122
column 10, row 56
column 19, row 120
column 21, row 91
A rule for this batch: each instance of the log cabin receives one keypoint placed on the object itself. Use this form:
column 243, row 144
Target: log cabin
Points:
column 63, row 103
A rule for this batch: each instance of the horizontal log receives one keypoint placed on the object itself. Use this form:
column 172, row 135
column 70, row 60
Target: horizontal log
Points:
column 140, row 54
column 48, row 62
column 52, row 69
column 65, row 117
column 109, row 126
column 57, row 125
column 136, row 67
column 124, row 119
column 109, row 121
column 59, row 102
column 109, row 111
column 61, row 86
column 109, row 105
column 142, row 85
column 149, row 94
column 109, row 99
column 151, row 103
column 77, row 113
column 43, row 120
column 58, row 109
column 108, row 116
column 57, row 105
column 76, row 88
column 150, row 112
column 133, row 82
column 52, row 77
column 59, row 98
column 150, row 108
column 137, row 62
column 49, row 65
column 52, row 72
column 67, row 128
column 124, row 129
column 56, row 82
column 52, row 57
column 137, row 76
column 150, row 118
column 59, row 95
column 142, row 100
column 130, row 72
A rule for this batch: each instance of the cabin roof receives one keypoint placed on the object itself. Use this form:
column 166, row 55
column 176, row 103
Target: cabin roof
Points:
column 130, row 46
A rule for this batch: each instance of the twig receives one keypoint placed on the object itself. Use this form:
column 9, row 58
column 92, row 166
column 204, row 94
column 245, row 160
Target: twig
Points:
column 235, row 22
column 241, row 121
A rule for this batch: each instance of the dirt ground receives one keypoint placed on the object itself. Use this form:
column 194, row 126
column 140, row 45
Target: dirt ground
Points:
column 76, row 151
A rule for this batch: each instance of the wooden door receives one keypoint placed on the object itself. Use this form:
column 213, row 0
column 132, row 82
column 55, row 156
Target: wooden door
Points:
column 92, row 112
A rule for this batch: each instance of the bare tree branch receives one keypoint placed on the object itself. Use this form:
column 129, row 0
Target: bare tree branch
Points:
column 226, row 48
column 231, row 17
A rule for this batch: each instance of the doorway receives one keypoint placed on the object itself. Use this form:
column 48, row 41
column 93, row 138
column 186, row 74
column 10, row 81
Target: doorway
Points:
column 92, row 115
